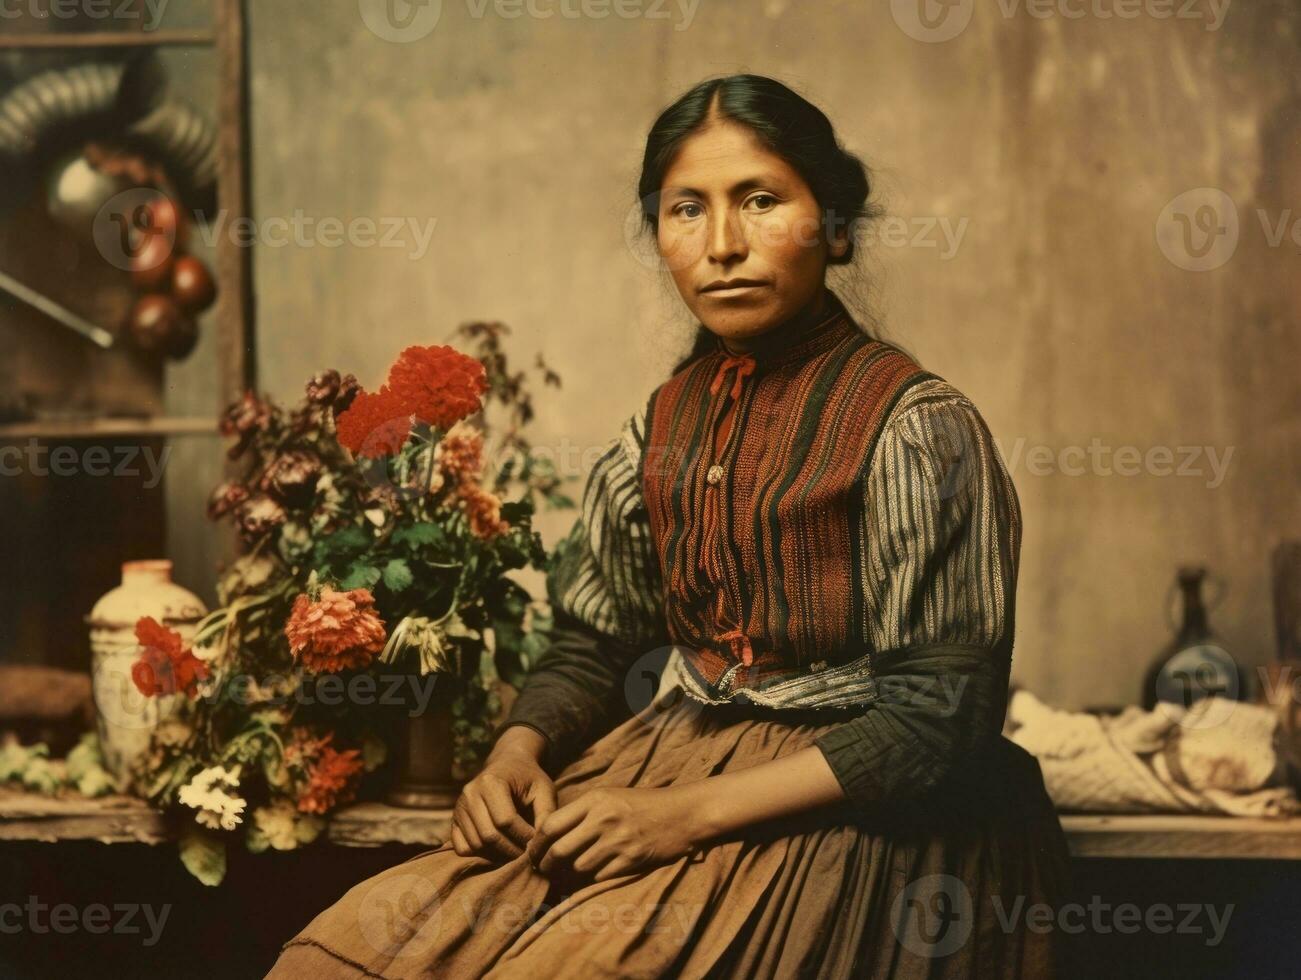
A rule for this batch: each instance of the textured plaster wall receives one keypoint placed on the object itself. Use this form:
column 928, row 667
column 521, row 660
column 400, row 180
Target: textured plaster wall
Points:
column 1048, row 146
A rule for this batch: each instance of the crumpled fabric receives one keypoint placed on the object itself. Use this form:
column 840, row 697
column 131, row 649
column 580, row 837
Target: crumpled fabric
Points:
column 1216, row 757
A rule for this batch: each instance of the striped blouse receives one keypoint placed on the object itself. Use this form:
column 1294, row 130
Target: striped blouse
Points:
column 847, row 538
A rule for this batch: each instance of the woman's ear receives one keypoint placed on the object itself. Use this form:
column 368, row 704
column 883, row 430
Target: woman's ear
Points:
column 839, row 245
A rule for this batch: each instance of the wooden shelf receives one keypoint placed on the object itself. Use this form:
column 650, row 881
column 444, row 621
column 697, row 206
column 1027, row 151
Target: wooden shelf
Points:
column 1182, row 836
column 108, row 39
column 373, row 824
column 126, row 820
column 105, row 428
column 108, row 819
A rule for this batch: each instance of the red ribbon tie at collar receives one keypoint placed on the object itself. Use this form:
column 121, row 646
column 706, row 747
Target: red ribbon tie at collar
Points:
column 744, row 364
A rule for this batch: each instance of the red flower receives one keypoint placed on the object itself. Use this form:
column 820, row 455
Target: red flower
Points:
column 338, row 631
column 439, row 385
column 166, row 664
column 331, row 781
column 375, row 424
column 331, row 775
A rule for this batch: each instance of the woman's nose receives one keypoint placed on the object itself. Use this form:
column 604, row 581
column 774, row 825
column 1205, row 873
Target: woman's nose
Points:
column 727, row 237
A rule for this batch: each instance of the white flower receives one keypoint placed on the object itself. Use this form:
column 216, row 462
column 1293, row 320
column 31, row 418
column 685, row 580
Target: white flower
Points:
column 206, row 792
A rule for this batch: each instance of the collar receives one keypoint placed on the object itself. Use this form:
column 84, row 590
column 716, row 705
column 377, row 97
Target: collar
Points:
column 784, row 345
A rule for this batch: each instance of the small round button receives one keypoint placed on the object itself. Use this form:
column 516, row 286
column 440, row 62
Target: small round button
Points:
column 714, row 475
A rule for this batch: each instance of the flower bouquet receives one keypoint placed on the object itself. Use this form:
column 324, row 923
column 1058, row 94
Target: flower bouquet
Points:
column 376, row 551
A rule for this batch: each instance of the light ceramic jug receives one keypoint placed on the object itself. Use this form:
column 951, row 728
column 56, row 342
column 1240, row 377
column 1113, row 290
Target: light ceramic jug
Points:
column 126, row 718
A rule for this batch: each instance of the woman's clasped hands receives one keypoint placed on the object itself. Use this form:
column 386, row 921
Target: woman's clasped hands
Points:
column 510, row 809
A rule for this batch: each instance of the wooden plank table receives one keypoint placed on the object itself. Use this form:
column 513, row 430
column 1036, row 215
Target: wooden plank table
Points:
column 126, row 820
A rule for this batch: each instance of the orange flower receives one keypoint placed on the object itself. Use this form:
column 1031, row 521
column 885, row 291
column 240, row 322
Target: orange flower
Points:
column 332, row 775
column 483, row 509
column 166, row 664
column 338, row 631
column 460, row 453
column 438, row 385
column 375, row 424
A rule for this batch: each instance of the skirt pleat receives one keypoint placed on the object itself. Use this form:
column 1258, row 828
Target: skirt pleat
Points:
column 937, row 888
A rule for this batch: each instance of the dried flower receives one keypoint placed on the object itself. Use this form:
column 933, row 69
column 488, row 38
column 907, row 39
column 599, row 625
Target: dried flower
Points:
column 166, row 664
column 292, row 476
column 438, row 385
column 377, row 424
column 207, row 793
column 460, row 453
column 349, row 389
column 225, row 499
column 244, row 420
column 259, row 515
column 338, row 631
column 249, row 574
column 323, row 387
column 483, row 509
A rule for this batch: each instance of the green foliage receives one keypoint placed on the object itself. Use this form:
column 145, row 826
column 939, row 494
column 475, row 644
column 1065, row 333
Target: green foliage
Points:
column 203, row 852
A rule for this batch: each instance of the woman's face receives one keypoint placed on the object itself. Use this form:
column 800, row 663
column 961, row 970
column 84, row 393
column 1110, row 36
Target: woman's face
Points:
column 741, row 233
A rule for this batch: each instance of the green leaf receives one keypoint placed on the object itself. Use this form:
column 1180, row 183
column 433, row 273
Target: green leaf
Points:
column 349, row 539
column 397, row 575
column 360, row 576
column 204, row 855
column 423, row 533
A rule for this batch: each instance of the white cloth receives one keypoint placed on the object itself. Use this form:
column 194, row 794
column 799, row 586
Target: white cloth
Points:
column 1218, row 756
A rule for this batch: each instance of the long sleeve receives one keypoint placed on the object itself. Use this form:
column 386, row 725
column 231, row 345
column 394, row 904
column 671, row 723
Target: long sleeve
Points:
column 940, row 576
column 605, row 590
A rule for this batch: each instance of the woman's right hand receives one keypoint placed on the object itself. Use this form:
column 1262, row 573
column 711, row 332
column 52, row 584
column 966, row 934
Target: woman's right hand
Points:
column 489, row 819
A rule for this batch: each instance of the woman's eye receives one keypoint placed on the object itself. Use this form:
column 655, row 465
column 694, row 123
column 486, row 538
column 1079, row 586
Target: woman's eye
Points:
column 688, row 209
column 763, row 202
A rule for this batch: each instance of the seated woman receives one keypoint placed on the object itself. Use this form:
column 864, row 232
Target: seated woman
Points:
column 825, row 538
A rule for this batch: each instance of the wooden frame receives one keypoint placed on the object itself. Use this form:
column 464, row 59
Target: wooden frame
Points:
column 235, row 310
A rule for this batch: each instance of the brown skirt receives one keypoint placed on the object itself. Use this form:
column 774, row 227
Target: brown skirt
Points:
column 940, row 888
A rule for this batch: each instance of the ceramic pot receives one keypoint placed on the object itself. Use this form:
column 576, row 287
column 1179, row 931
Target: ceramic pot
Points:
column 126, row 718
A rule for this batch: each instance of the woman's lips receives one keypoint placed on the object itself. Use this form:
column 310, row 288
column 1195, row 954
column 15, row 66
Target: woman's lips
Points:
column 734, row 291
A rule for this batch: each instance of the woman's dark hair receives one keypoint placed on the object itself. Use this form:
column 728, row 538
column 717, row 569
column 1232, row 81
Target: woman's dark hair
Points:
column 791, row 127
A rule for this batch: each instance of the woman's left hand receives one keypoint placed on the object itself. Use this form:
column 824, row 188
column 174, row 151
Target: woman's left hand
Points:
column 609, row 832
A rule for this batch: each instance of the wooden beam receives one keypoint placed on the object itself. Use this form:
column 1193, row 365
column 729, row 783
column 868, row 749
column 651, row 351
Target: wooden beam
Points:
column 108, row 39
column 235, row 312
column 106, row 428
